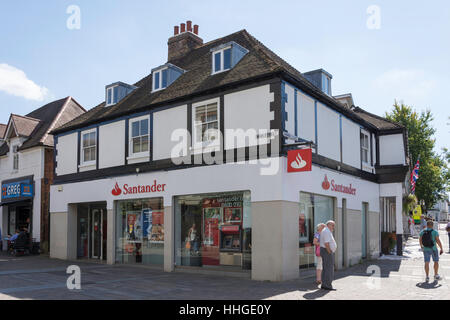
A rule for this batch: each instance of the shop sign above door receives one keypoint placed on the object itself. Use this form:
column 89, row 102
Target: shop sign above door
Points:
column 15, row 190
column 299, row 160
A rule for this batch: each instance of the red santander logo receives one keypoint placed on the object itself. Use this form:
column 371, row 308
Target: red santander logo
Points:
column 116, row 191
column 299, row 160
column 325, row 183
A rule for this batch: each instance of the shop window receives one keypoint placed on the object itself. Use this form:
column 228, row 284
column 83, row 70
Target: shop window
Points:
column 213, row 230
column 364, row 148
column 89, row 147
column 140, row 231
column 140, row 136
column 313, row 209
column 206, row 125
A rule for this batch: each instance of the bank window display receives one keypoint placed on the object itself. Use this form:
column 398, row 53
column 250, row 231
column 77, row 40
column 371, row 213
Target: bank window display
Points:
column 313, row 209
column 213, row 230
column 140, row 231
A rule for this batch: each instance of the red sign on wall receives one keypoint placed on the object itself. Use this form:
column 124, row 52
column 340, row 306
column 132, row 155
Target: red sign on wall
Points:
column 299, row 160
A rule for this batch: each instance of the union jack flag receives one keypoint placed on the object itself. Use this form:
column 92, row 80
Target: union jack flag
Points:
column 414, row 177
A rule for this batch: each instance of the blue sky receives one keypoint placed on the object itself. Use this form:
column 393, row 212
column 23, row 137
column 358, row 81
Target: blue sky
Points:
column 407, row 58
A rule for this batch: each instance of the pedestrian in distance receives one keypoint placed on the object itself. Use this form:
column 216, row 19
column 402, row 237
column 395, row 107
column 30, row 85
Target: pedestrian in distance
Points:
column 428, row 239
column 448, row 232
column 327, row 250
column 316, row 242
column 423, row 222
column 411, row 223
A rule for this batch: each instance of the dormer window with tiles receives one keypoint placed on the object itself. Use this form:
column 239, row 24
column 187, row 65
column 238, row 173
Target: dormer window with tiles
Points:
column 115, row 92
column 164, row 76
column 226, row 56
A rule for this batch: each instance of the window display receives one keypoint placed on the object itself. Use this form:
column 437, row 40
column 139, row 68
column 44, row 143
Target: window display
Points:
column 209, row 230
column 140, row 231
column 313, row 209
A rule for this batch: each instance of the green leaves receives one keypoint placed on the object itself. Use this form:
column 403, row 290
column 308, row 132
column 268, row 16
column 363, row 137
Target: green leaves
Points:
column 434, row 171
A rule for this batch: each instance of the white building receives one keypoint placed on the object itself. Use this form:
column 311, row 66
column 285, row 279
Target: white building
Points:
column 134, row 174
column 26, row 168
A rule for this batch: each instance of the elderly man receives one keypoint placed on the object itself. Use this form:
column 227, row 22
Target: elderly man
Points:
column 327, row 250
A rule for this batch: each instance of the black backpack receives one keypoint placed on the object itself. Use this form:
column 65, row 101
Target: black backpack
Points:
column 427, row 239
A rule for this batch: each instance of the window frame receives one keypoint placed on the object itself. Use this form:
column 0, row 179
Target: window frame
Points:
column 131, row 154
column 222, row 59
column 205, row 144
column 89, row 162
column 112, row 96
column 362, row 137
column 15, row 157
column 160, row 80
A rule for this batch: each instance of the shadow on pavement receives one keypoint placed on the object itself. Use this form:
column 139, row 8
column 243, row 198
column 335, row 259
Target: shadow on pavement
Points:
column 426, row 285
column 316, row 294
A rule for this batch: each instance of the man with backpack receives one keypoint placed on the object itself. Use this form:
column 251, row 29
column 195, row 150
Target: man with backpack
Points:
column 428, row 239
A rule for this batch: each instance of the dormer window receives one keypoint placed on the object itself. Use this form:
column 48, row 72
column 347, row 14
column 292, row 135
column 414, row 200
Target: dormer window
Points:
column 326, row 84
column 222, row 60
column 160, row 79
column 226, row 56
column 164, row 75
column 115, row 92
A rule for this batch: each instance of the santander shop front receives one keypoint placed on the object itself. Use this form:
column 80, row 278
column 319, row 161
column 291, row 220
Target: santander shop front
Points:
column 230, row 218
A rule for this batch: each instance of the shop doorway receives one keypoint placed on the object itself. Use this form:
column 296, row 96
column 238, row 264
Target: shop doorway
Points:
column 92, row 231
column 19, row 217
column 364, row 230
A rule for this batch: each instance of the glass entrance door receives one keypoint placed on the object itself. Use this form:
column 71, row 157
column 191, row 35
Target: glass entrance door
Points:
column 97, row 233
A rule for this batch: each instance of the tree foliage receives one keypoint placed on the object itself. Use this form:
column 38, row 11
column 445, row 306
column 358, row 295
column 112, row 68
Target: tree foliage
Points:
column 433, row 172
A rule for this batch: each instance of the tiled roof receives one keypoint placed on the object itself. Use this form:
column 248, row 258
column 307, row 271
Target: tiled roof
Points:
column 379, row 122
column 2, row 130
column 259, row 62
column 36, row 125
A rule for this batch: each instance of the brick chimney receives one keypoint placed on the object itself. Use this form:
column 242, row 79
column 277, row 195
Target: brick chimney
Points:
column 184, row 39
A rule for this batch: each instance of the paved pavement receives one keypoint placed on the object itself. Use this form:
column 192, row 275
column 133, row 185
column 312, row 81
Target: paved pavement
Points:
column 38, row 277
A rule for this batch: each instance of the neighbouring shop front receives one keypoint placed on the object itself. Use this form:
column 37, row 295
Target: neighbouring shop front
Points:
column 17, row 202
column 213, row 230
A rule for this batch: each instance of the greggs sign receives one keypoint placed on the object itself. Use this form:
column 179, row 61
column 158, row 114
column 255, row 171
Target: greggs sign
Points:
column 337, row 187
column 126, row 189
column 299, row 160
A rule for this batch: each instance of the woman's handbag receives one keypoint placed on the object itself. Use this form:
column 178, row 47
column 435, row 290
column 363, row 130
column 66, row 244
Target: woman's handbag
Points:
column 188, row 245
column 317, row 251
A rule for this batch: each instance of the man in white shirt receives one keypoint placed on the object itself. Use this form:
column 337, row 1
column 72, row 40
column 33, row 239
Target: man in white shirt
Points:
column 327, row 250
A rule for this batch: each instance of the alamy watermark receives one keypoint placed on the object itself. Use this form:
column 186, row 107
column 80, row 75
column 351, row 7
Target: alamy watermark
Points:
column 374, row 19
column 74, row 20
column 74, row 280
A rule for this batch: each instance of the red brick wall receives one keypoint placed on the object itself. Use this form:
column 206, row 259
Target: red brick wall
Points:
column 45, row 198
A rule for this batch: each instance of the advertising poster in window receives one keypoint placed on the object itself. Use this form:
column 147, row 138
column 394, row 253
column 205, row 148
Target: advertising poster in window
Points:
column 147, row 223
column 232, row 215
column 211, row 226
column 303, row 225
column 134, row 227
column 157, row 229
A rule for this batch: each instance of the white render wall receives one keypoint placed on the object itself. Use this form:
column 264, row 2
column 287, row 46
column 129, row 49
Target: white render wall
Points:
column 248, row 109
column 306, row 117
column 392, row 149
column 66, row 157
column 351, row 144
column 164, row 123
column 328, row 140
column 111, row 144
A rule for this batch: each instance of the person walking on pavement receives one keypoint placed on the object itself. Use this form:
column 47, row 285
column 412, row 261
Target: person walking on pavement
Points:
column 428, row 239
column 423, row 222
column 327, row 250
column 316, row 243
column 448, row 231
column 411, row 223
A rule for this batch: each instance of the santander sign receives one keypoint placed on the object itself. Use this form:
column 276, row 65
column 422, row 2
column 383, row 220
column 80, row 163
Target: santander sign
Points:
column 338, row 187
column 127, row 189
